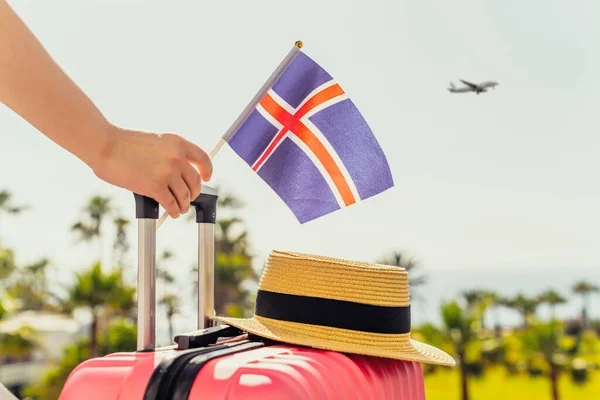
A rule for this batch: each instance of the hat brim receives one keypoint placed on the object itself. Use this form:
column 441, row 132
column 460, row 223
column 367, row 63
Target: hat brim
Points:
column 395, row 346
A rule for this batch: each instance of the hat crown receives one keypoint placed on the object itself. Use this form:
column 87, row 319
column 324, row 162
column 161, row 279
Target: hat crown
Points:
column 330, row 278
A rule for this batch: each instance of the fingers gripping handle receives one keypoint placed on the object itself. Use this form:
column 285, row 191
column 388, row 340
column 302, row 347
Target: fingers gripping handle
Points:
column 146, row 212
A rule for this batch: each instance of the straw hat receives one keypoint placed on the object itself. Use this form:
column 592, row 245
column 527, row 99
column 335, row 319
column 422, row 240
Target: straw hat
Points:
column 332, row 304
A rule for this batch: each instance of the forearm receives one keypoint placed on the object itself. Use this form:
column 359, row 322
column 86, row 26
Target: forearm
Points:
column 36, row 88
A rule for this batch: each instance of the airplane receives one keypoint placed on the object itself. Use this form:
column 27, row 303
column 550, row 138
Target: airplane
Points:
column 472, row 87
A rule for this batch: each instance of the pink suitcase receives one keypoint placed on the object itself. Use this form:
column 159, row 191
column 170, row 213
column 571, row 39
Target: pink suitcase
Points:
column 221, row 362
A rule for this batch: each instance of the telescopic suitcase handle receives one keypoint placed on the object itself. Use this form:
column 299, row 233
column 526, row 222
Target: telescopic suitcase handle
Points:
column 146, row 212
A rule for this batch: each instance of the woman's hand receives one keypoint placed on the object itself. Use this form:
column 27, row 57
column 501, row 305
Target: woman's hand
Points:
column 153, row 165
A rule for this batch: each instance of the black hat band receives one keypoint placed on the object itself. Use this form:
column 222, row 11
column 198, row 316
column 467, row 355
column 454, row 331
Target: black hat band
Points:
column 333, row 313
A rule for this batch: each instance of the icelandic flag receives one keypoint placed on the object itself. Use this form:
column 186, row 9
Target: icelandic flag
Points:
column 307, row 140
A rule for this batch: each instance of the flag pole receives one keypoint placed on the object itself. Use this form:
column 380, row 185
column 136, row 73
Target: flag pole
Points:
column 263, row 90
column 249, row 108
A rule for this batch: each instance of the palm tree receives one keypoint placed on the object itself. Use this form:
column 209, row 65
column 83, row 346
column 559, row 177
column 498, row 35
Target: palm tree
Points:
column 121, row 245
column 459, row 326
column 172, row 305
column 28, row 286
column 171, row 302
column 525, row 306
column 3, row 311
column 543, row 340
column 232, row 271
column 31, row 289
column 585, row 289
column 97, row 291
column 162, row 273
column 474, row 297
column 400, row 260
column 7, row 264
column 228, row 200
column 478, row 300
column 97, row 208
column 552, row 298
column 6, row 204
column 88, row 229
column 18, row 344
column 226, row 242
column 495, row 302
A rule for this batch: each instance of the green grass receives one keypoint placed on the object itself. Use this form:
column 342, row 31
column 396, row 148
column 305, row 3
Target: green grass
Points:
column 496, row 385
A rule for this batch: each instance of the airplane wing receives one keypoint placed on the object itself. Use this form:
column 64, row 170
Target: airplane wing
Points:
column 471, row 85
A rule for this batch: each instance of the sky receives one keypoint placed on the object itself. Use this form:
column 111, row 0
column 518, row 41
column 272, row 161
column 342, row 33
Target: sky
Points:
column 504, row 180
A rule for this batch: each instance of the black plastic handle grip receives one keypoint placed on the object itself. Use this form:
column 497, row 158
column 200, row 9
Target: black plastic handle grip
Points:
column 206, row 205
column 145, row 207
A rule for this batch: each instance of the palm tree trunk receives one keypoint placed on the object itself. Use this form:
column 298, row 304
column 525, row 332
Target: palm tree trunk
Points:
column 553, row 312
column 525, row 322
column 464, row 384
column 100, row 250
column 497, row 326
column 93, row 335
column 554, row 381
